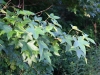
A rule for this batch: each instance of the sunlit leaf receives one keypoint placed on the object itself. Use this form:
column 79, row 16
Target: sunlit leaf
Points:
column 52, row 16
column 25, row 12
column 91, row 40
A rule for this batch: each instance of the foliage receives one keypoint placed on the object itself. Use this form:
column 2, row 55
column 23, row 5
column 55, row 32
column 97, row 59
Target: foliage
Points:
column 27, row 42
column 69, row 64
column 35, row 44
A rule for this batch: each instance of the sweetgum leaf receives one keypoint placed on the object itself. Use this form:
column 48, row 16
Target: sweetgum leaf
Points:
column 35, row 31
column 31, row 46
column 79, row 53
column 25, row 12
column 7, row 28
column 52, row 16
column 47, row 55
column 38, row 19
column 42, row 46
column 56, row 23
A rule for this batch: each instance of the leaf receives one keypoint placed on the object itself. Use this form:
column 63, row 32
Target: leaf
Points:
column 49, row 27
column 56, row 23
column 35, row 31
column 81, row 43
column 10, row 34
column 47, row 55
column 38, row 19
column 68, row 39
column 88, row 39
column 18, row 33
column 92, row 41
column 39, row 30
column 1, row 25
column 76, row 43
column 55, row 48
column 31, row 59
column 68, row 47
column 27, row 52
column 63, row 40
column 82, row 47
column 27, row 37
column 43, row 23
column 25, row 12
column 79, row 53
column 52, row 16
column 33, row 23
column 7, row 28
column 42, row 46
column 31, row 46
column 75, row 28
column 25, row 49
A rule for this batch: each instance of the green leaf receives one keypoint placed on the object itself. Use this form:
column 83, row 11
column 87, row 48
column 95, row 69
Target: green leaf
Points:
column 47, row 55
column 27, row 36
column 42, row 46
column 82, row 47
column 1, row 25
column 56, row 23
column 31, row 46
column 52, row 16
column 43, row 23
column 49, row 27
column 38, row 19
column 25, row 49
column 92, row 41
column 38, row 30
column 68, row 47
column 25, row 12
column 10, row 34
column 31, row 59
column 55, row 48
column 7, row 28
column 33, row 23
column 68, row 39
column 27, row 52
column 79, row 53
column 35, row 31
column 81, row 43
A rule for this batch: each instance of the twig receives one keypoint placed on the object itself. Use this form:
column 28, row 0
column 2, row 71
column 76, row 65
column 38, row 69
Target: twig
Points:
column 23, row 5
column 30, row 5
column 6, row 4
column 40, row 12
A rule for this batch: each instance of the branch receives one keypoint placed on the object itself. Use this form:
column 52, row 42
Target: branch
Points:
column 40, row 12
column 5, row 6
